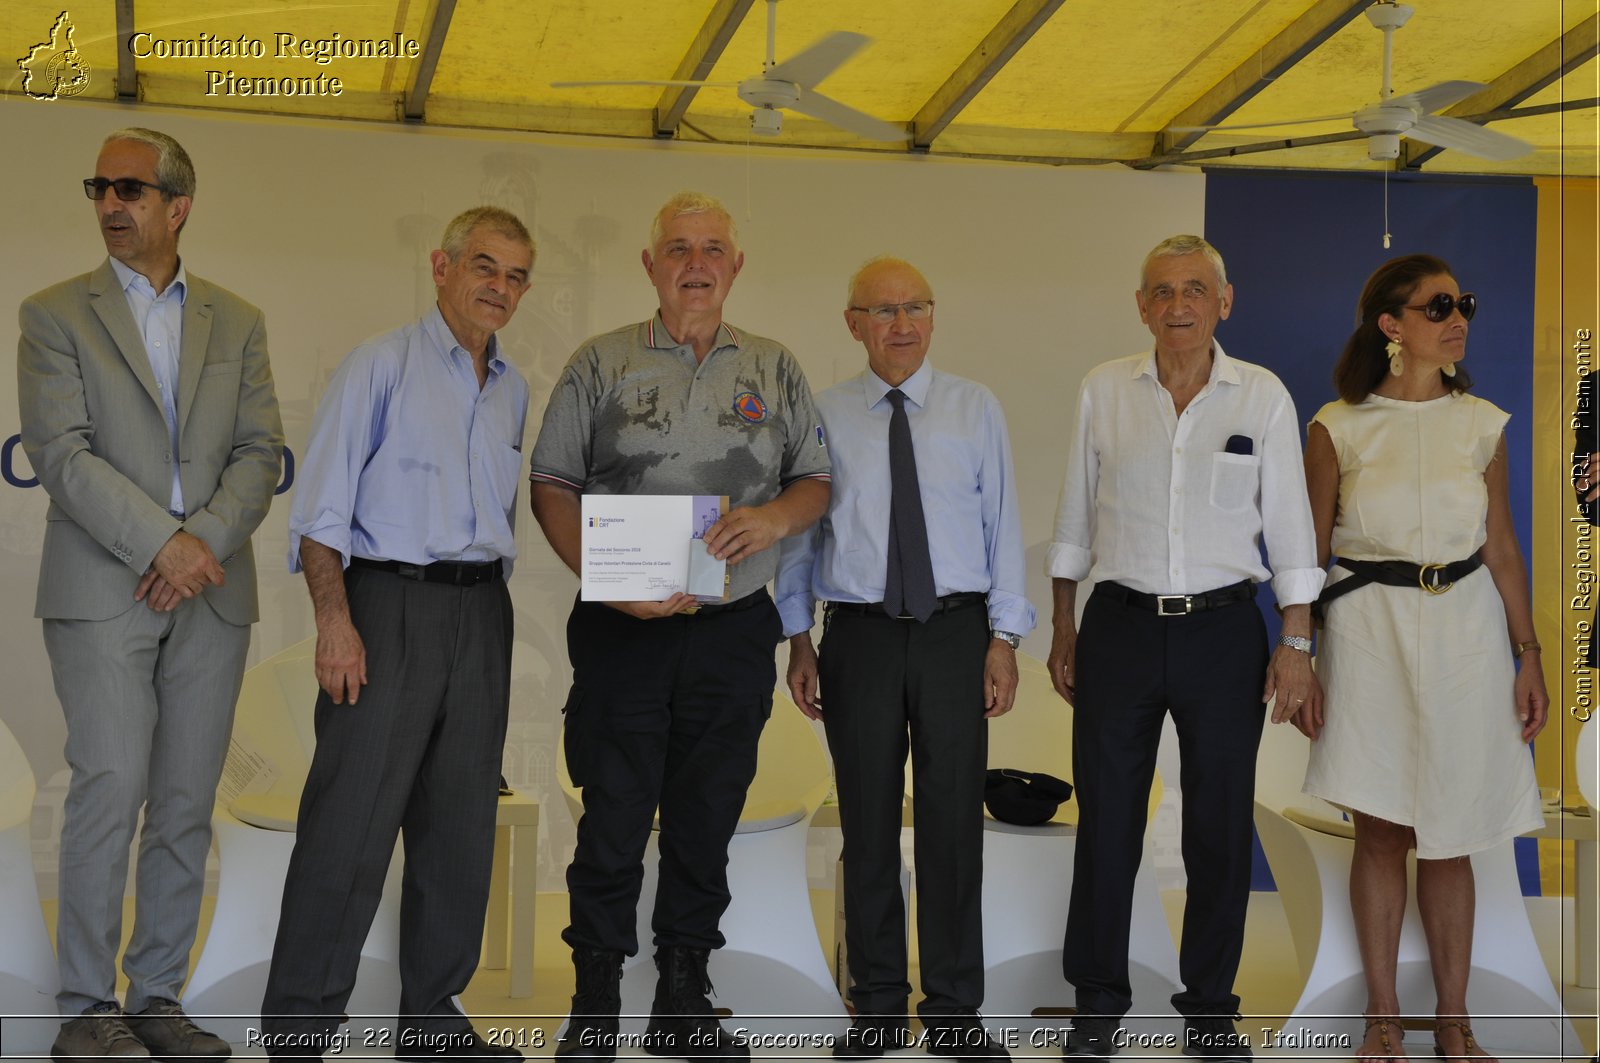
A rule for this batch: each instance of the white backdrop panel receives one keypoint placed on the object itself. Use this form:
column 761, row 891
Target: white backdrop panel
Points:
column 326, row 226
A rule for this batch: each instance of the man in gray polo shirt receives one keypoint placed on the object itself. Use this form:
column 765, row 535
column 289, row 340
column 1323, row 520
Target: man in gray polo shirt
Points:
column 668, row 698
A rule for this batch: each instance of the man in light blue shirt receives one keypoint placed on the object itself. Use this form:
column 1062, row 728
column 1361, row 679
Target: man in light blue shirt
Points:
column 402, row 524
column 894, row 681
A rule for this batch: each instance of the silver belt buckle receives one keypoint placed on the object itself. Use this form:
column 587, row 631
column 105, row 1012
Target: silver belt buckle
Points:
column 1182, row 604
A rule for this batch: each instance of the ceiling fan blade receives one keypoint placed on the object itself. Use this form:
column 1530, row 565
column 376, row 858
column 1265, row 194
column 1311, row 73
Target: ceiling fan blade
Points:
column 1345, row 117
column 1438, row 97
column 1456, row 135
column 847, row 118
column 646, row 81
column 810, row 66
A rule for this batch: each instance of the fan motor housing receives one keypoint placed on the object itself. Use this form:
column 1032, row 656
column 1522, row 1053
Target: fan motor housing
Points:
column 1383, row 147
column 762, row 92
column 1387, row 118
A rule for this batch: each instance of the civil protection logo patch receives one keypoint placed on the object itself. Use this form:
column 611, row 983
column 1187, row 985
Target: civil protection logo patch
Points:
column 749, row 405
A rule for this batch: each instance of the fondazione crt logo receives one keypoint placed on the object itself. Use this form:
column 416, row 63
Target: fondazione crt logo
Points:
column 54, row 68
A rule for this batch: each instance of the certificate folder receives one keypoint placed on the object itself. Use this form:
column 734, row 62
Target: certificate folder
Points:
column 646, row 548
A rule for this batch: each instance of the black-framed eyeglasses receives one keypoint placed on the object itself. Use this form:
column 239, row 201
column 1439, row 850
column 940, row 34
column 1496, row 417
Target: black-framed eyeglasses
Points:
column 128, row 188
column 916, row 310
column 1439, row 307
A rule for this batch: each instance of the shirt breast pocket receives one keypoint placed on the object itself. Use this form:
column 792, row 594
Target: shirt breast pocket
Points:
column 505, row 470
column 1235, row 479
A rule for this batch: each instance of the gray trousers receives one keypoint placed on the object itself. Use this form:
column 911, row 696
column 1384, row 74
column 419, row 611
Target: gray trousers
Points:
column 419, row 753
column 148, row 699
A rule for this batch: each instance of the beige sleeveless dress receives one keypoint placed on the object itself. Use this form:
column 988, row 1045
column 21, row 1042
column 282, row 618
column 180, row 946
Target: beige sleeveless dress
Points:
column 1420, row 728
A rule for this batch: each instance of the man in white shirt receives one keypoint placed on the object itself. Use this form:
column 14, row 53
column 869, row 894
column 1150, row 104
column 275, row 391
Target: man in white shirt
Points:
column 1183, row 463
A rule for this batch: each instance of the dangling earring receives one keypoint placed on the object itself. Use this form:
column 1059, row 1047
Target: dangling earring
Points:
column 1397, row 364
column 1449, row 369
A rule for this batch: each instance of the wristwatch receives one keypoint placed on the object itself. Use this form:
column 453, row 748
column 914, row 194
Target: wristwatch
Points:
column 1008, row 638
column 1295, row 642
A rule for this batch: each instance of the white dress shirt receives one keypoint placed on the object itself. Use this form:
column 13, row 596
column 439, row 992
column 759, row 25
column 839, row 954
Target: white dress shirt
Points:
column 969, row 498
column 160, row 322
column 1158, row 503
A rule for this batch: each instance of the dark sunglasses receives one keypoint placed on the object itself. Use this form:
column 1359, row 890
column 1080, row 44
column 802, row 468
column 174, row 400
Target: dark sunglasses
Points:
column 128, row 188
column 1439, row 307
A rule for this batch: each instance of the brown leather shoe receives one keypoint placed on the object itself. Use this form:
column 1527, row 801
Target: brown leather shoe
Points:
column 170, row 1034
column 99, row 1033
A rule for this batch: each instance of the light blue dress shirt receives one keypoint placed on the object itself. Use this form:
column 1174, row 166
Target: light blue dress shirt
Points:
column 969, row 496
column 408, row 460
column 159, row 319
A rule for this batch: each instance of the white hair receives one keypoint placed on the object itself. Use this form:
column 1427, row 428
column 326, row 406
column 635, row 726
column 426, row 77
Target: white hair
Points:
column 689, row 203
column 1177, row 247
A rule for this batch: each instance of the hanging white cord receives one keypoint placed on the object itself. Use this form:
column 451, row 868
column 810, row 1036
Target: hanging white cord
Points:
column 1386, row 208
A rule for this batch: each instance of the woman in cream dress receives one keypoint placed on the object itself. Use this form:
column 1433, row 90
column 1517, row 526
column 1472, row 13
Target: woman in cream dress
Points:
column 1432, row 694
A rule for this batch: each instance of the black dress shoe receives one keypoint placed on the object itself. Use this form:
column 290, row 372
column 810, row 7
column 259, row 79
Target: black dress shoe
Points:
column 870, row 1036
column 964, row 1039
column 428, row 1046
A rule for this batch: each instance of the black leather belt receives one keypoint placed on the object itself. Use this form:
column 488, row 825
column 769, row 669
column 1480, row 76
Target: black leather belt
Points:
column 754, row 598
column 1435, row 579
column 1179, row 604
column 945, row 604
column 460, row 573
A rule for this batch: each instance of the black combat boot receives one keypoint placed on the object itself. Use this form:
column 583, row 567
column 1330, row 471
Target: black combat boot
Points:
column 681, row 1019
column 592, row 1028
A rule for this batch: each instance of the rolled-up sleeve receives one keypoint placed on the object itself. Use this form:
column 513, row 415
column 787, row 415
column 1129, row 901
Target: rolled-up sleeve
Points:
column 1286, row 526
column 344, row 434
column 793, row 586
column 1069, row 554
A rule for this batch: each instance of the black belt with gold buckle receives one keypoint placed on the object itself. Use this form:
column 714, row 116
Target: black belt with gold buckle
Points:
column 1429, row 577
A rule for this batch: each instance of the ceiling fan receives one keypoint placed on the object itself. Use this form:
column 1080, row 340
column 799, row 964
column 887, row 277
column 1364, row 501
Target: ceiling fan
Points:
column 789, row 86
column 1411, row 115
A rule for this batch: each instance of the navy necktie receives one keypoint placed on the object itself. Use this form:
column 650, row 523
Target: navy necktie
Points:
column 908, row 584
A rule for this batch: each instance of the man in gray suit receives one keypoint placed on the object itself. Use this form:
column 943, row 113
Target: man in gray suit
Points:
column 149, row 416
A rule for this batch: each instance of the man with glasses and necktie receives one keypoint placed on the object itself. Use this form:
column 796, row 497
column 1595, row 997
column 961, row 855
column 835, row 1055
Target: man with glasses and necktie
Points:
column 1184, row 461
column 919, row 560
column 149, row 416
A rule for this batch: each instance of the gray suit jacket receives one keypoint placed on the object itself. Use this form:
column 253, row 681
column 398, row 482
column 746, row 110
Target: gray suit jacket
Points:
column 93, row 429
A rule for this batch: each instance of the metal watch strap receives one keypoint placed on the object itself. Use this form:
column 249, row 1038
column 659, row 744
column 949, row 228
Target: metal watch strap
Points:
column 1295, row 642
